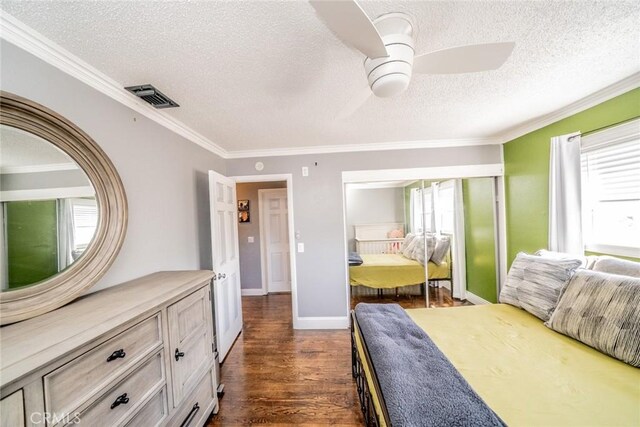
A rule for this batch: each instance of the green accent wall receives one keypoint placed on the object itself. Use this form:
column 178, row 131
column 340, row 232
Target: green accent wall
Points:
column 526, row 163
column 32, row 241
column 479, row 234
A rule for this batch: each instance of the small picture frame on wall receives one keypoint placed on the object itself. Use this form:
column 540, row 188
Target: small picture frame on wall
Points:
column 243, row 216
column 243, row 205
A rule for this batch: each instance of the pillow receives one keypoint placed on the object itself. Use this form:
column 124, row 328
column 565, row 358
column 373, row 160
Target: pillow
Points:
column 418, row 250
column 602, row 310
column 405, row 244
column 442, row 248
column 613, row 265
column 407, row 250
column 419, row 253
column 563, row 255
column 535, row 283
column 543, row 283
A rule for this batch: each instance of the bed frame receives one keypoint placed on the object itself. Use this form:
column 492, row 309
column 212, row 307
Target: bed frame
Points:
column 359, row 375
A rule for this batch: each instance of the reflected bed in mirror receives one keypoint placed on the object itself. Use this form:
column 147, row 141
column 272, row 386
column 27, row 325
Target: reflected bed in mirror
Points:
column 47, row 206
column 63, row 210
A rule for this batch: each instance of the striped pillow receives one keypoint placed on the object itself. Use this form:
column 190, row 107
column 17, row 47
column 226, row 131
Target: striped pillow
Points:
column 603, row 311
column 535, row 283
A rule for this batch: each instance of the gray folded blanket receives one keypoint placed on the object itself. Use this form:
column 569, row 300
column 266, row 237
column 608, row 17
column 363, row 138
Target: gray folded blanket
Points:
column 355, row 258
column 419, row 384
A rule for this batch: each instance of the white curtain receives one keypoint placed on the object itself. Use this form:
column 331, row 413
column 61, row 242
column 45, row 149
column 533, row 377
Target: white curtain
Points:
column 565, row 216
column 65, row 233
column 457, row 244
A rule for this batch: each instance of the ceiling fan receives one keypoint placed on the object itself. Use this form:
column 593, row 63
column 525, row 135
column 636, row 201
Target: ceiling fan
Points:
column 388, row 43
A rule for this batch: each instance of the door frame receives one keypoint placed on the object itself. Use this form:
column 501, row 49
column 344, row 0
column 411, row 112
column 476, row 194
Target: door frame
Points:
column 288, row 178
column 263, row 247
column 493, row 170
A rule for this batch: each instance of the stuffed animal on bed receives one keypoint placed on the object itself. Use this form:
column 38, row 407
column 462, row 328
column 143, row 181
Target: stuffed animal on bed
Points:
column 395, row 234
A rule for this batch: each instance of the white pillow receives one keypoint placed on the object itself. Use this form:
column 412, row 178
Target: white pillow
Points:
column 410, row 248
column 406, row 245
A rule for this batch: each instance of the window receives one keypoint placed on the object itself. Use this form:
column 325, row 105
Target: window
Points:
column 445, row 209
column 610, row 163
column 85, row 221
column 417, row 211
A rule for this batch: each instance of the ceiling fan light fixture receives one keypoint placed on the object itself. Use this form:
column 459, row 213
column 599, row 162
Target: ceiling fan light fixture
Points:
column 390, row 75
column 390, row 85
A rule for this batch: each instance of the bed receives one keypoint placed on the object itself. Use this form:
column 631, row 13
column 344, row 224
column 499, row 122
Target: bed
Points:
column 383, row 265
column 500, row 365
column 385, row 271
column 513, row 362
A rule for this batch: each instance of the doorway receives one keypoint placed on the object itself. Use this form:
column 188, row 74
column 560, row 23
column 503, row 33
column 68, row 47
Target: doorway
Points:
column 274, row 240
column 266, row 236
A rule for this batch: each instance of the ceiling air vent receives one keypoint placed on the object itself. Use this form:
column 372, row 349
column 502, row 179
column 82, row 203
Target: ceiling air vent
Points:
column 153, row 96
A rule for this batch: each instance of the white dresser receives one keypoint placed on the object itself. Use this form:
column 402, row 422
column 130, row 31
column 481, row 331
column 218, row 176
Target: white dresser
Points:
column 137, row 354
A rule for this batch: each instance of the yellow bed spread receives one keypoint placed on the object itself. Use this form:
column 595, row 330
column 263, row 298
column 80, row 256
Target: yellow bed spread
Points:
column 384, row 271
column 530, row 375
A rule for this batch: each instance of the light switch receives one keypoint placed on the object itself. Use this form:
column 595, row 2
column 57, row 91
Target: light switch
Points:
column 305, row 171
column 250, row 239
column 300, row 247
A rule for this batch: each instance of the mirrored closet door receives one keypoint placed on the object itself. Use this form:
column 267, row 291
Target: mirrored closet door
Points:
column 422, row 242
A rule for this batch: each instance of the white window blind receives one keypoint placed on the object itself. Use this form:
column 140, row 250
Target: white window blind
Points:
column 610, row 163
column 85, row 221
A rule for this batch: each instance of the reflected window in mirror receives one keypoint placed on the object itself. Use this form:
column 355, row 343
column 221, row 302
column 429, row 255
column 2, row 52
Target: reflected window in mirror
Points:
column 48, row 208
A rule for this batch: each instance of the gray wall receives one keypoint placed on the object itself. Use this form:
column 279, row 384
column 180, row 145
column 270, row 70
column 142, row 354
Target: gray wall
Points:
column 372, row 206
column 318, row 210
column 250, row 269
column 164, row 175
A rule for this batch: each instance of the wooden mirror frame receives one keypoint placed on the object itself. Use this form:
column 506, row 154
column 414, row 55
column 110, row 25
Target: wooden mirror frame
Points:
column 55, row 291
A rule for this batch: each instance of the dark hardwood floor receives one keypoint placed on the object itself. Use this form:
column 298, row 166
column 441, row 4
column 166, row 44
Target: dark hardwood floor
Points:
column 275, row 375
column 438, row 297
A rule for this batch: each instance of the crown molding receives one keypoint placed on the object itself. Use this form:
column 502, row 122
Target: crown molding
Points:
column 350, row 148
column 605, row 94
column 19, row 34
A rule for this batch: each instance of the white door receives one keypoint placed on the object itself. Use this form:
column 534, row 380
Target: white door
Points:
column 274, row 236
column 224, row 248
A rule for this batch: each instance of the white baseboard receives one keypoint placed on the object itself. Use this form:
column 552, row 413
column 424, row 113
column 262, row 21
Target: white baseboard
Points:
column 341, row 322
column 475, row 299
column 252, row 292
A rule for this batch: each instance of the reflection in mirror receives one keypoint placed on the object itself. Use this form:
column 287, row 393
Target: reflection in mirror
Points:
column 48, row 209
column 422, row 242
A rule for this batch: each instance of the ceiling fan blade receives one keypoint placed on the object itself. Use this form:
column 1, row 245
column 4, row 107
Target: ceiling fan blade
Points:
column 464, row 59
column 352, row 25
column 356, row 101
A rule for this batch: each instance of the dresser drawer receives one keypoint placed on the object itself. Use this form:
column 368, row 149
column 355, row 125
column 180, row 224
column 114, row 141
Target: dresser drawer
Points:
column 153, row 413
column 198, row 405
column 131, row 392
column 67, row 387
column 12, row 410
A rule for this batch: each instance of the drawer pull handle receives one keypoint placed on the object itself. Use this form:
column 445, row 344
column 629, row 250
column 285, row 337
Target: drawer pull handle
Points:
column 116, row 355
column 120, row 400
column 191, row 415
column 179, row 354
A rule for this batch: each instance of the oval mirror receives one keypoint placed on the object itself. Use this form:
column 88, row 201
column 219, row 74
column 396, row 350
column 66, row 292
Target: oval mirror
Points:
column 62, row 209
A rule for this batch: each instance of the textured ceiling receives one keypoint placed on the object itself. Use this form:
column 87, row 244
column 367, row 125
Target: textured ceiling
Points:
column 260, row 75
